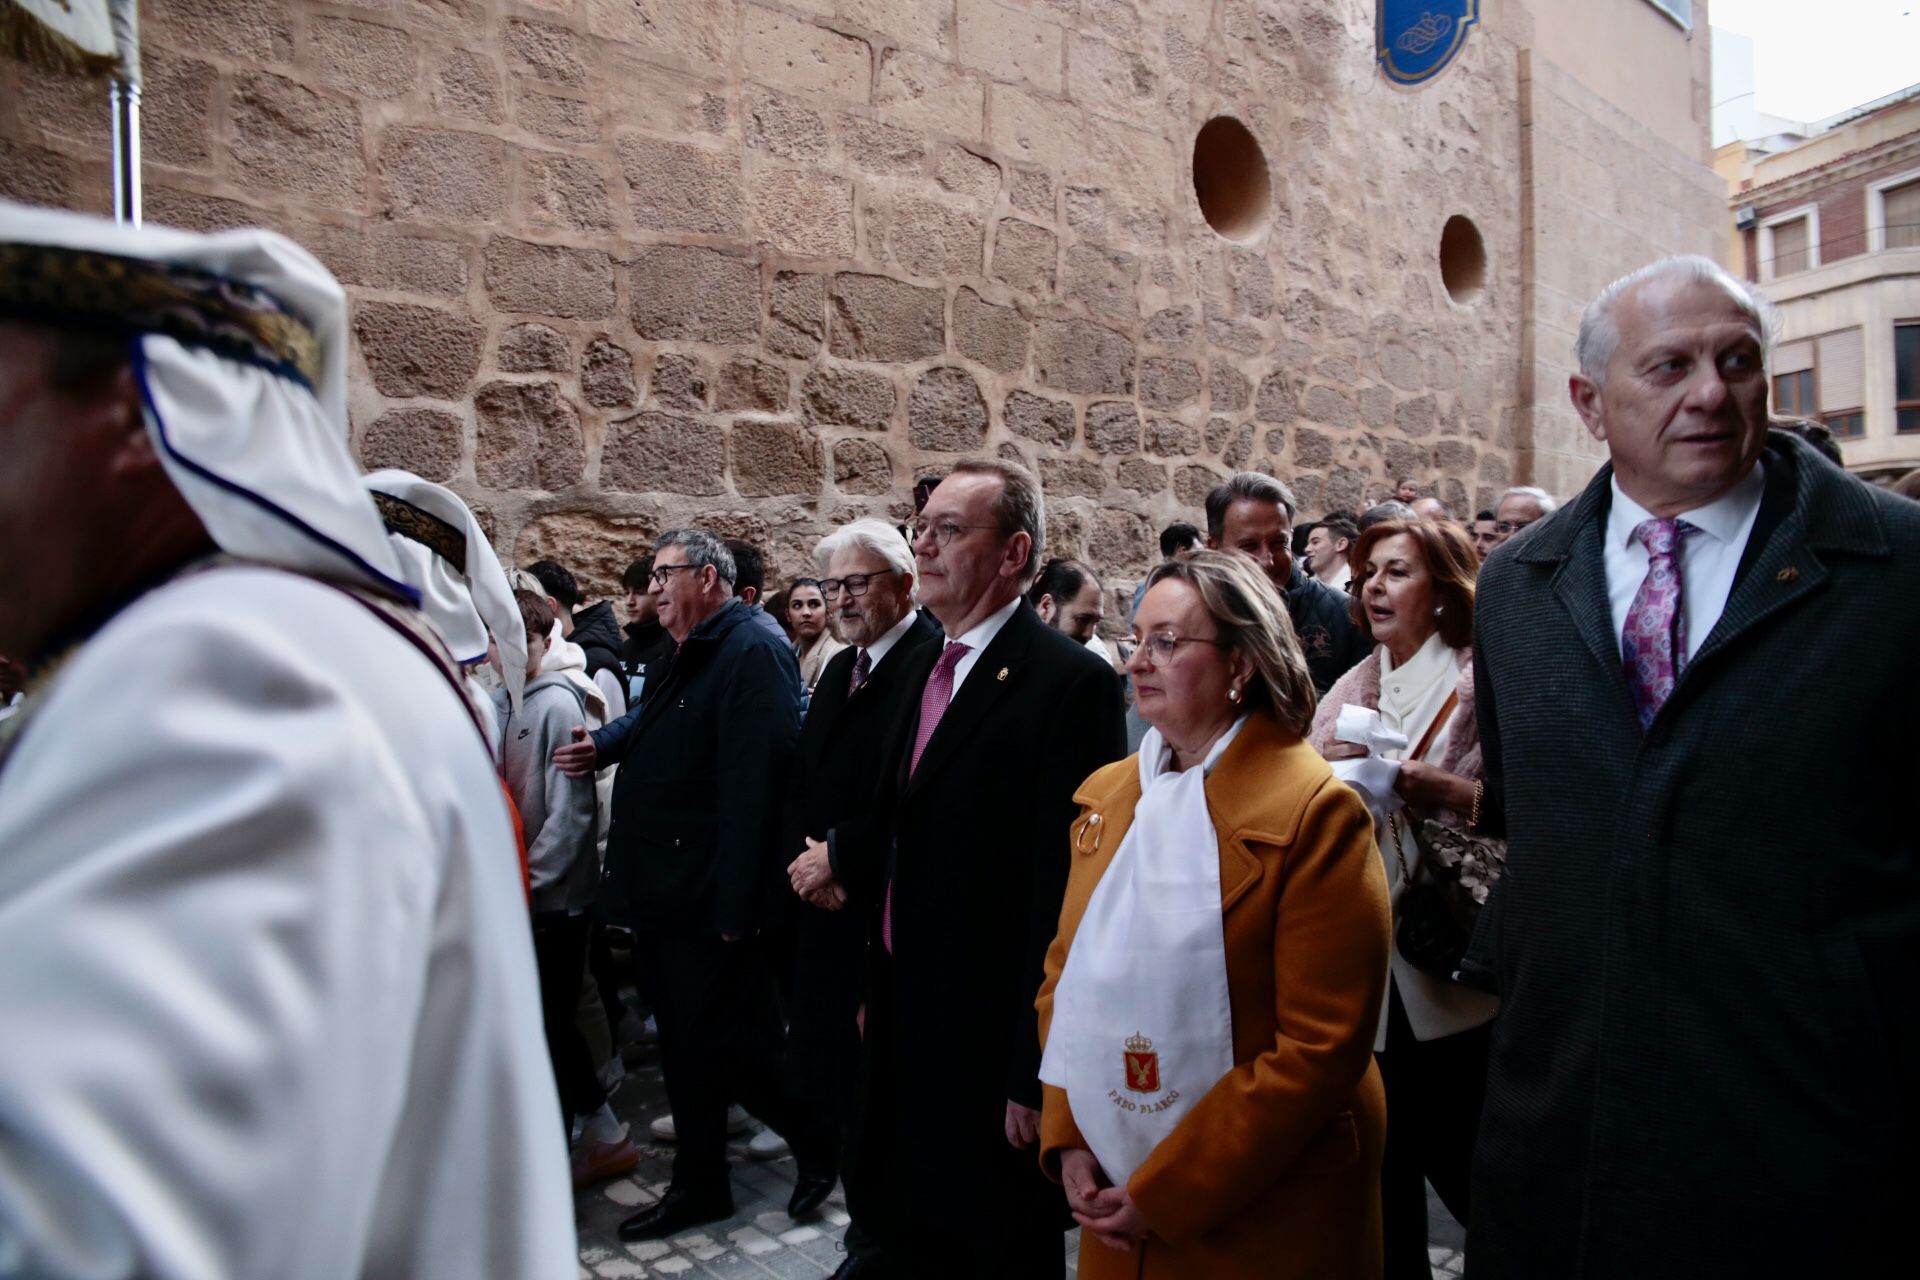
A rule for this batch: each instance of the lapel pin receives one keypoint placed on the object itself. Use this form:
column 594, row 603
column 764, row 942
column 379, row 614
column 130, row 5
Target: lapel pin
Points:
column 1002, row 675
column 1788, row 574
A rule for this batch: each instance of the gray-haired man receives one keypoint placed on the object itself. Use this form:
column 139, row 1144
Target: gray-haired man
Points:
column 690, row 867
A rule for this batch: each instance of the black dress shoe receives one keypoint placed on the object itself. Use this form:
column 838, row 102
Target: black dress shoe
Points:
column 677, row 1211
column 810, row 1191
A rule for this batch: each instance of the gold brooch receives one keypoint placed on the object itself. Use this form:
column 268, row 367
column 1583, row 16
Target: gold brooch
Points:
column 1003, row 674
column 1788, row 574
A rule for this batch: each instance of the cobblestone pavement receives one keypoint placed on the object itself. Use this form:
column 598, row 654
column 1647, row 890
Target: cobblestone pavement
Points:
column 760, row 1241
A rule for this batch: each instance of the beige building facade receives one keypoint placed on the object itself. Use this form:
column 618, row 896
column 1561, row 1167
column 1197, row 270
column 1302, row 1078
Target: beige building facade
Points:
column 620, row 265
column 1829, row 227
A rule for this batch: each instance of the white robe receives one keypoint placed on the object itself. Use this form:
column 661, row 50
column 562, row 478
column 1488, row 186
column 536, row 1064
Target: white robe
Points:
column 266, row 985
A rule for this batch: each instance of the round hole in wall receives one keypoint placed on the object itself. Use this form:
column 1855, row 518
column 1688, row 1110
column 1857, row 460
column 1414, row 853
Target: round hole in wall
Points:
column 1463, row 260
column 1230, row 178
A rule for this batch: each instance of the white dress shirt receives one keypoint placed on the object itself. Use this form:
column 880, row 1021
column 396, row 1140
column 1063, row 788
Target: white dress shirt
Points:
column 884, row 645
column 977, row 641
column 1708, row 559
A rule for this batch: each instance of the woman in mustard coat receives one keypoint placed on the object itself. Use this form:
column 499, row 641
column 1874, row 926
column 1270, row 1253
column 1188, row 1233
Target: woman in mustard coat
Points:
column 1211, row 1104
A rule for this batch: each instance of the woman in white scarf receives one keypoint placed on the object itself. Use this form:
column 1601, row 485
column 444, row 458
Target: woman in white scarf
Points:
column 1414, row 584
column 1211, row 1106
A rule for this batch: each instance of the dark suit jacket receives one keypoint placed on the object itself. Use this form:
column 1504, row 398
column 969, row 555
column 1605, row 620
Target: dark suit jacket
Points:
column 977, row 847
column 837, row 769
column 703, row 773
column 1708, row 1045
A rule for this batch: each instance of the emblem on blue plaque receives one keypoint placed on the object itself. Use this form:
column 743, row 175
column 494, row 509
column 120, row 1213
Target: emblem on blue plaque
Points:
column 1418, row 38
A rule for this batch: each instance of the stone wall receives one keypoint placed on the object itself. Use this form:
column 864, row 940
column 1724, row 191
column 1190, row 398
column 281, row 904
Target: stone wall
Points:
column 617, row 265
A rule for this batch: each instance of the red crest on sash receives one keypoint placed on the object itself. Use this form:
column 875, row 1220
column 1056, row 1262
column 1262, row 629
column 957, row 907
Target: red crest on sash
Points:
column 1143, row 1065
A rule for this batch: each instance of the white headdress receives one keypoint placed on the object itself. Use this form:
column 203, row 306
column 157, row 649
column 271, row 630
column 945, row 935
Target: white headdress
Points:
column 445, row 554
column 239, row 343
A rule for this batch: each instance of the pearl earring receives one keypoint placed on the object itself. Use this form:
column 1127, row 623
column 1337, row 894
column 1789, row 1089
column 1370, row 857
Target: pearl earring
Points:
column 1439, row 609
column 1233, row 694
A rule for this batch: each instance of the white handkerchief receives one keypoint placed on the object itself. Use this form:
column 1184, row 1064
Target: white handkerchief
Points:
column 1371, row 775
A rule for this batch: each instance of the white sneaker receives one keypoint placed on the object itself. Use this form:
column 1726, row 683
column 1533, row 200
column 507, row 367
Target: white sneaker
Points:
column 768, row 1145
column 663, row 1131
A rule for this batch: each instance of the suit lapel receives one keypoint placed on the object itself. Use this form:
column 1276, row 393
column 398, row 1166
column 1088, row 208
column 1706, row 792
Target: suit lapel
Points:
column 984, row 688
column 1581, row 586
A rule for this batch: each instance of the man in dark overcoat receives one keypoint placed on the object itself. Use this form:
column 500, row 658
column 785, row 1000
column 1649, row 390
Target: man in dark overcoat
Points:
column 1696, row 699
column 965, row 859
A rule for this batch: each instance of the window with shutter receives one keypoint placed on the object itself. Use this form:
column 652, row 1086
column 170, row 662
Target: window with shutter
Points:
column 1906, row 377
column 1839, row 362
column 1790, row 247
column 1900, row 215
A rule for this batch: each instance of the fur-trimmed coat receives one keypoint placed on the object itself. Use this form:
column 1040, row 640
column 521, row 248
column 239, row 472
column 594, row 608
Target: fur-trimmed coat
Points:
column 1361, row 686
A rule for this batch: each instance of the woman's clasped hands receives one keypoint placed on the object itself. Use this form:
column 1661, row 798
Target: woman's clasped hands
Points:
column 1107, row 1211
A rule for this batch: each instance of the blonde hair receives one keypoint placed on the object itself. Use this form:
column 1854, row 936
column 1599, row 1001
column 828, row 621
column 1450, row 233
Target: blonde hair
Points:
column 1252, row 618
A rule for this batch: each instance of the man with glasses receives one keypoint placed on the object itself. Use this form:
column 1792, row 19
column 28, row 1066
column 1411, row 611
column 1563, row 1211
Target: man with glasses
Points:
column 696, row 819
column 1519, row 507
column 958, row 870
column 863, row 690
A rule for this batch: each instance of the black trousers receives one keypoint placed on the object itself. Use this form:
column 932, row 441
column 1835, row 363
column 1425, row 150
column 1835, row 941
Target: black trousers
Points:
column 720, row 1043
column 560, row 951
column 1434, row 1093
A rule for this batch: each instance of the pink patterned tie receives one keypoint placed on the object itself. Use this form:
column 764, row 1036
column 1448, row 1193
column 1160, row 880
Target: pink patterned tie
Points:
column 1654, row 643
column 933, row 704
column 862, row 668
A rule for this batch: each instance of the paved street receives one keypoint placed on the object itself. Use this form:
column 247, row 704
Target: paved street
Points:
column 759, row 1241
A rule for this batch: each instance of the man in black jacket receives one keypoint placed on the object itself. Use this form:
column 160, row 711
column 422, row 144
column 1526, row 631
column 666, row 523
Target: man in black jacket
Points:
column 647, row 642
column 869, row 585
column 696, row 819
column 960, row 866
column 1252, row 513
column 1696, row 696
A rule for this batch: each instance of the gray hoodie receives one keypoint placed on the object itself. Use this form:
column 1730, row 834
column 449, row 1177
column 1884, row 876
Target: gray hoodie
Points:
column 557, row 811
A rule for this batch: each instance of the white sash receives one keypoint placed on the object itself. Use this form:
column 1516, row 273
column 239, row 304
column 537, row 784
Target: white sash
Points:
column 1142, row 1026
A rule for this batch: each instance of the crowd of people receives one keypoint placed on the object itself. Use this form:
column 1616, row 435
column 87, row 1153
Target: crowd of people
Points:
column 1552, row 858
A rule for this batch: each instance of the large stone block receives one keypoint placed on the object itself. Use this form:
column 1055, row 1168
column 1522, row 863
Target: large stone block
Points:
column 1277, row 401
column 805, row 214
column 364, row 58
column 1083, row 357
column 1171, row 438
column 970, row 176
column 862, row 467
column 946, row 412
column 528, row 437
column 672, row 102
column 922, row 93
column 1324, row 404
column 286, row 137
column 417, row 351
column 1037, row 418
column 1010, row 45
column 875, row 318
column 1192, row 484
column 597, row 548
column 545, row 52
column 606, row 375
column 699, row 295
column 467, row 84
column 930, row 237
column 1112, row 79
column 1102, row 280
column 990, row 335
column 565, row 191
column 444, row 173
column 1044, row 132
column 785, row 51
column 548, row 279
column 753, row 385
column 532, row 348
column 775, row 458
column 553, row 116
column 1168, row 384
column 1031, row 191
column 653, row 452
column 700, row 33
column 423, row 441
column 848, row 398
column 796, row 315
column 1171, row 327
column 1023, row 255
column 1072, row 478
column 782, row 126
column 1402, row 367
column 363, row 254
column 1143, row 477
column 1415, row 417
column 1227, row 388
column 680, row 382
column 1312, row 448
column 1122, row 541
column 253, row 33
column 673, row 187
column 881, row 148
column 177, row 109
column 1113, row 426
column 920, row 24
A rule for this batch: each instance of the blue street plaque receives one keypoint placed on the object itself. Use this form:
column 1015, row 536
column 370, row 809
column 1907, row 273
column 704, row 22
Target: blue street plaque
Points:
column 1418, row 38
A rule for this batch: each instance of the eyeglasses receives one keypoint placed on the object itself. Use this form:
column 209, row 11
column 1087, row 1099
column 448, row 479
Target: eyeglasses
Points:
column 854, row 584
column 664, row 574
column 1162, row 645
column 1510, row 526
column 943, row 531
